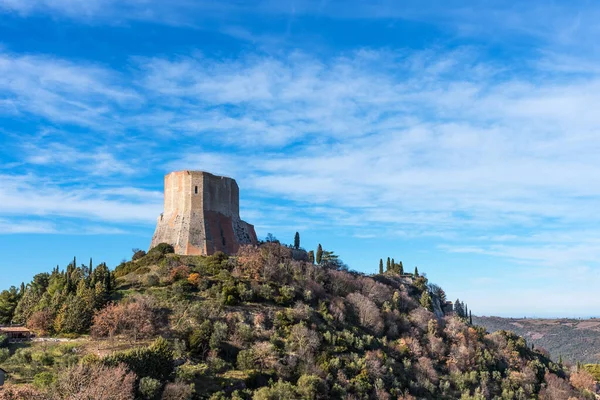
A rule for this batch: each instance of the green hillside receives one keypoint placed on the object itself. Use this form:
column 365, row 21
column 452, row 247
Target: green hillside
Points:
column 260, row 325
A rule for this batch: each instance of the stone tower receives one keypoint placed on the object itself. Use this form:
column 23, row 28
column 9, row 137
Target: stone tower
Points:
column 202, row 215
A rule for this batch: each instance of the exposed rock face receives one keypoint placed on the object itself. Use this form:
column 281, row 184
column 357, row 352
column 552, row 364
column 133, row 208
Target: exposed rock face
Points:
column 202, row 215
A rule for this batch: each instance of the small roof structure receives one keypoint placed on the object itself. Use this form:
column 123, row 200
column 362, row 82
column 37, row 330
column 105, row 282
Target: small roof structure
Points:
column 16, row 329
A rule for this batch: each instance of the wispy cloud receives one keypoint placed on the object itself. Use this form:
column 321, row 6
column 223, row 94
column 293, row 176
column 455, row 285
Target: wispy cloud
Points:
column 61, row 91
column 29, row 196
column 93, row 161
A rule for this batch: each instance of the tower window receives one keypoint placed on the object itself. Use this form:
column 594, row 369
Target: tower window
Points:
column 195, row 189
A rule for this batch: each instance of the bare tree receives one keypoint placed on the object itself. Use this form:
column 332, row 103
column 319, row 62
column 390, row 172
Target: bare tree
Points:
column 20, row 392
column 134, row 319
column 303, row 341
column 368, row 314
column 94, row 381
column 41, row 322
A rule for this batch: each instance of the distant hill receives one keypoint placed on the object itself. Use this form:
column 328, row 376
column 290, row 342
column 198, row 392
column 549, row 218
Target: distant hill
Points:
column 573, row 339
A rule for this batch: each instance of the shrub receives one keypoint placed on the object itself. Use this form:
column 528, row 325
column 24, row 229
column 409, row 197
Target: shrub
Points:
column 219, row 335
column 4, row 355
column 278, row 391
column 3, row 341
column 244, row 293
column 286, row 295
column 162, row 248
column 142, row 271
column 265, row 291
column 243, row 334
column 43, row 380
column 149, row 388
column 189, row 372
column 217, row 364
column 311, row 387
column 199, row 340
column 125, row 268
column 137, row 254
column 179, row 273
column 177, row 391
column 44, row 358
column 194, row 279
column 151, row 280
column 155, row 361
column 182, row 287
column 246, row 360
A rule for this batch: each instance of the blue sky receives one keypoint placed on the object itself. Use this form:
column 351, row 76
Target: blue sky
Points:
column 459, row 136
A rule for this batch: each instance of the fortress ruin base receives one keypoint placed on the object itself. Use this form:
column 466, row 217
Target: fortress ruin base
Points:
column 201, row 215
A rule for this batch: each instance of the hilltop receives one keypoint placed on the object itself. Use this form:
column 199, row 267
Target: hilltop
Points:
column 574, row 340
column 260, row 325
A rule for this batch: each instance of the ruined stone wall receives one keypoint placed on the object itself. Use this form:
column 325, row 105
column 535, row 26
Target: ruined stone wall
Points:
column 201, row 215
column 221, row 195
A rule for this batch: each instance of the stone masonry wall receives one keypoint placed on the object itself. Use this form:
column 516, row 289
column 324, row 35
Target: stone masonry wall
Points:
column 201, row 215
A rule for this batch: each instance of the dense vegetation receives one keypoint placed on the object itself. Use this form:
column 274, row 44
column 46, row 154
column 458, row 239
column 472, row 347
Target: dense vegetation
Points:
column 261, row 325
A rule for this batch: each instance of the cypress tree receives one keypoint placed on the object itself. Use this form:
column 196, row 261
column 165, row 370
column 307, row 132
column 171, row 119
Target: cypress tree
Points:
column 470, row 318
column 426, row 300
column 69, row 273
column 319, row 254
column 458, row 308
column 311, row 257
column 380, row 266
column 107, row 279
column 416, row 272
column 393, row 265
column 297, row 241
column 388, row 267
column 400, row 268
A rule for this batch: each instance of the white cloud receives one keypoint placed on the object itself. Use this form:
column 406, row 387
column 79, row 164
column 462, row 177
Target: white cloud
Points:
column 61, row 91
column 12, row 227
column 29, row 196
column 93, row 161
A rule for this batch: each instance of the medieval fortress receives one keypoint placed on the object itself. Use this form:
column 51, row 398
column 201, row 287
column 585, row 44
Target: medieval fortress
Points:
column 202, row 215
